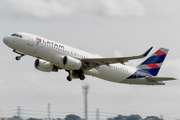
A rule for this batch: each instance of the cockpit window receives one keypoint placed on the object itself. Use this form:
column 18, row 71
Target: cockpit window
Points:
column 13, row 35
column 17, row 35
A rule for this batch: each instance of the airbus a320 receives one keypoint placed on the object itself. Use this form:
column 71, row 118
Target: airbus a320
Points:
column 54, row 56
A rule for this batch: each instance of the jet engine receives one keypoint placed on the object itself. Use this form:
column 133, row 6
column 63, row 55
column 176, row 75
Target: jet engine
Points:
column 44, row 66
column 71, row 63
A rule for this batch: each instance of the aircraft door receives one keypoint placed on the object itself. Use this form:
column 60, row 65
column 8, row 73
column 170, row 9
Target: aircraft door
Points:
column 30, row 40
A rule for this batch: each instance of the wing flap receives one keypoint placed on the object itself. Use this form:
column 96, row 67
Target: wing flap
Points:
column 160, row 78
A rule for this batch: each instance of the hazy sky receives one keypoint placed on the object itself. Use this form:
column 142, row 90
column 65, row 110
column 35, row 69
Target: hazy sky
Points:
column 106, row 27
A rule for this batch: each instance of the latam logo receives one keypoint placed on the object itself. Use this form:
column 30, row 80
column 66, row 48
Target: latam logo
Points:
column 38, row 39
column 48, row 42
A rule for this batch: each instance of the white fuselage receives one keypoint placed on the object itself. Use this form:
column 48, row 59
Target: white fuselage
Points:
column 48, row 49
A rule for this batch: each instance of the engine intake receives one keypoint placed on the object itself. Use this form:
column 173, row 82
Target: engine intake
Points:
column 72, row 63
column 44, row 66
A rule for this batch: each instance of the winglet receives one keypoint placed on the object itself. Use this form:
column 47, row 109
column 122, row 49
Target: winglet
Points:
column 147, row 52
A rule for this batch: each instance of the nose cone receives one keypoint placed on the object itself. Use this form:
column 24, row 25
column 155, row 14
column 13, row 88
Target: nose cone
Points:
column 6, row 40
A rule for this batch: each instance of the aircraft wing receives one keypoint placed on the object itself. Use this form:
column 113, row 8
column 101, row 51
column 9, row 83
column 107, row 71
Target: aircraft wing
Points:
column 160, row 78
column 122, row 60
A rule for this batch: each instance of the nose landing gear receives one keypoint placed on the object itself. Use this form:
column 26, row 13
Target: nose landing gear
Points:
column 20, row 53
column 19, row 57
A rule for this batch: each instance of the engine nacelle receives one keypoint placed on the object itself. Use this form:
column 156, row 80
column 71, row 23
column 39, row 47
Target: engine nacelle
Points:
column 44, row 66
column 72, row 63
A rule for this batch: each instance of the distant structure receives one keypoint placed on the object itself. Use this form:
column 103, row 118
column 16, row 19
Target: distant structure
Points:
column 97, row 114
column 85, row 91
column 49, row 112
column 19, row 111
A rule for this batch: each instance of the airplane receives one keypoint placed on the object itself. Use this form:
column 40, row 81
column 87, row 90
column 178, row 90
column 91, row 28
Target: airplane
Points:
column 53, row 56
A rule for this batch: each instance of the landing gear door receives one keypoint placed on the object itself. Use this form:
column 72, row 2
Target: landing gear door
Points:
column 30, row 40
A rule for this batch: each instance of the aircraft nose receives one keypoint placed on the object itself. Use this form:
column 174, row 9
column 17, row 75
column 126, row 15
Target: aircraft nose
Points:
column 6, row 40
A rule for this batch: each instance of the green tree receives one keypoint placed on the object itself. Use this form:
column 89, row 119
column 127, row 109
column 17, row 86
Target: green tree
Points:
column 72, row 117
column 134, row 117
column 120, row 117
column 152, row 118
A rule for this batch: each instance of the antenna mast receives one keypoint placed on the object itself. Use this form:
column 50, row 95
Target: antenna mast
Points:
column 49, row 112
column 85, row 91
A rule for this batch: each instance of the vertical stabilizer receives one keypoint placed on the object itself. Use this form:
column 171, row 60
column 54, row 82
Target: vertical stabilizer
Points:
column 153, row 64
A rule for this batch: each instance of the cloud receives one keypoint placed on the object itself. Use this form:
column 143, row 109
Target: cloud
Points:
column 117, row 53
column 123, row 8
column 62, row 8
column 172, row 65
column 41, row 8
column 65, row 9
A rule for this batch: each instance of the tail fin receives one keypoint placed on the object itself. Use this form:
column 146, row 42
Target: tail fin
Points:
column 153, row 64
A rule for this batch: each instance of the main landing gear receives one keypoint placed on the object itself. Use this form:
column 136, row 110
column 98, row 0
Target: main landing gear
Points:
column 69, row 76
column 75, row 74
column 82, row 77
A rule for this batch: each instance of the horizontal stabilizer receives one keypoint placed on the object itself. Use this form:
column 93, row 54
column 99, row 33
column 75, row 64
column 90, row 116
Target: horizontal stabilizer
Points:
column 160, row 78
